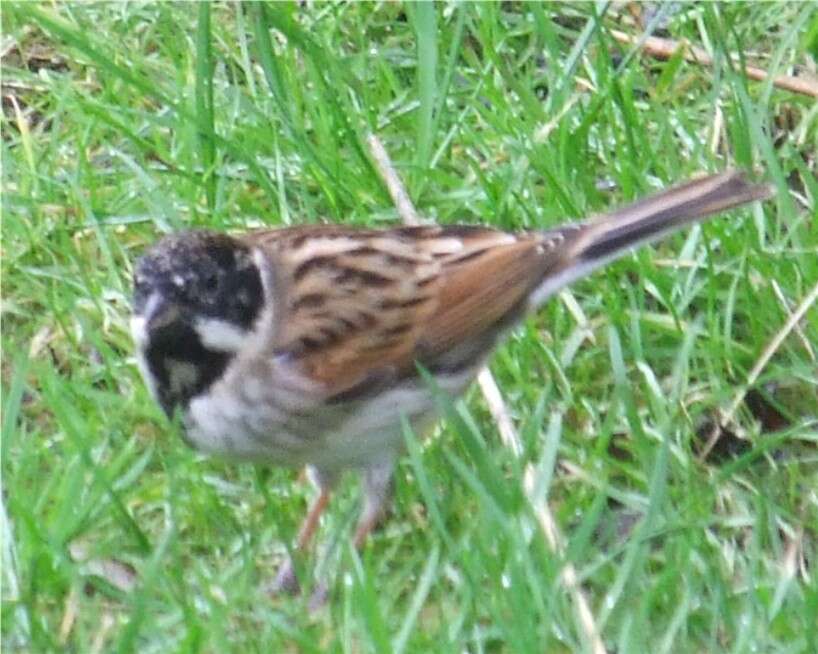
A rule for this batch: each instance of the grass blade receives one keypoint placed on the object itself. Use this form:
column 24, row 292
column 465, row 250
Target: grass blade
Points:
column 204, row 102
column 425, row 23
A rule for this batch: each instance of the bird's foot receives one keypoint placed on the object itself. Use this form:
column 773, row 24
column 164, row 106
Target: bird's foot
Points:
column 286, row 581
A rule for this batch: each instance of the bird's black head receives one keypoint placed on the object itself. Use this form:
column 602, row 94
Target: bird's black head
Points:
column 196, row 298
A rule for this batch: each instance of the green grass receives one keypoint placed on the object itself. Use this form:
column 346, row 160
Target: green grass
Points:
column 135, row 119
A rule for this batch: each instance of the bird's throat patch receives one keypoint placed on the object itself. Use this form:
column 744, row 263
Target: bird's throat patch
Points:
column 181, row 367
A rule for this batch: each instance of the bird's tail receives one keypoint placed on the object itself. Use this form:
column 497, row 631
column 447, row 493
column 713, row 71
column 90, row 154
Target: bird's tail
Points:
column 607, row 237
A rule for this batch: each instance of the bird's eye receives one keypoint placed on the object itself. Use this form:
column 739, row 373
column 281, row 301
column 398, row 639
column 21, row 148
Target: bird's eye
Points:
column 211, row 282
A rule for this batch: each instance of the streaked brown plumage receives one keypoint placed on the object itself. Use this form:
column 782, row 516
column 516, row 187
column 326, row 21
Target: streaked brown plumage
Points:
column 301, row 345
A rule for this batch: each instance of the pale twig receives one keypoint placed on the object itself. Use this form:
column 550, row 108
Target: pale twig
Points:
column 665, row 48
column 105, row 625
column 798, row 331
column 766, row 354
column 718, row 124
column 406, row 210
column 548, row 524
column 69, row 616
column 505, row 426
column 542, row 133
column 497, row 408
column 569, row 574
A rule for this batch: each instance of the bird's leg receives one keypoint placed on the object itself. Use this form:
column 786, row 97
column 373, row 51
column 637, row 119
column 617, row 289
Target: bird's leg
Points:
column 377, row 486
column 286, row 580
column 377, row 483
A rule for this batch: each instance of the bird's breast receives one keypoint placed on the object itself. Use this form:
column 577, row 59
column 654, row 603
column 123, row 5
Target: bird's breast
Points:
column 227, row 424
column 245, row 418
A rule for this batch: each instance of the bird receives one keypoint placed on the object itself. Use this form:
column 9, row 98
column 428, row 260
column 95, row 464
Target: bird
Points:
column 309, row 345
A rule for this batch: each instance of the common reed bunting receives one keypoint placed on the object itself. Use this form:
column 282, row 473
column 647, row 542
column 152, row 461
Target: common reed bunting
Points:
column 302, row 345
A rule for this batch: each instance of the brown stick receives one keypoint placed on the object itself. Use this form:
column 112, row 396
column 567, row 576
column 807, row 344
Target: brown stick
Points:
column 661, row 48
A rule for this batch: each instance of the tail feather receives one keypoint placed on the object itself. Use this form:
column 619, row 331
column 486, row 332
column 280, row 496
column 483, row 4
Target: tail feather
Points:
column 651, row 218
column 610, row 236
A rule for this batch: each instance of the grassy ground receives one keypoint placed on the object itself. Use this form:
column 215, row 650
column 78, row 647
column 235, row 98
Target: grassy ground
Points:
column 124, row 121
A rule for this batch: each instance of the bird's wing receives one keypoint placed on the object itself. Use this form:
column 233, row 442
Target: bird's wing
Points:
column 355, row 309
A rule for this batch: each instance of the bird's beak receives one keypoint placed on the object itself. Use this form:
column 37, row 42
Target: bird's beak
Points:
column 159, row 313
column 156, row 314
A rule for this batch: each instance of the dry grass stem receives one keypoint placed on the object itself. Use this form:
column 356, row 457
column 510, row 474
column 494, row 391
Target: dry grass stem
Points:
column 798, row 331
column 661, row 48
column 406, row 210
column 763, row 360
